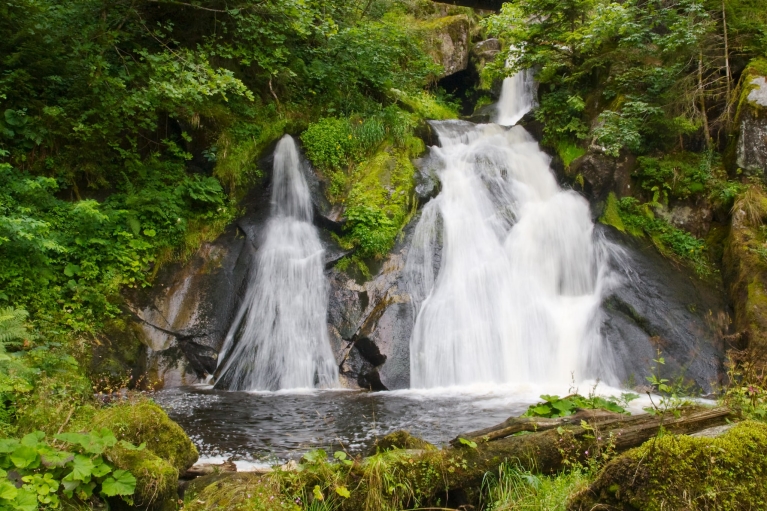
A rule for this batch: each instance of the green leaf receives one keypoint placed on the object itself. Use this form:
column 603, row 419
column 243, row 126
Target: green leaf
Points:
column 151, row 233
column 8, row 445
column 32, row 439
column 7, row 490
column 71, row 270
column 25, row 501
column 100, row 469
column 122, row 482
column 343, row 492
column 317, row 492
column 468, row 443
column 82, row 468
column 53, row 458
column 25, row 456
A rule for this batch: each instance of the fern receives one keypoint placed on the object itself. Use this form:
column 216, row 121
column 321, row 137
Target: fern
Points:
column 12, row 325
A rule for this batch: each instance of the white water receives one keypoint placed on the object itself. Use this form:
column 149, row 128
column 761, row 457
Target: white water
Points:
column 504, row 269
column 517, row 98
column 281, row 329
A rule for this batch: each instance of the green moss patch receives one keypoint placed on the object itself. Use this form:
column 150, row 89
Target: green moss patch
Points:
column 156, row 479
column 145, row 422
column 682, row 472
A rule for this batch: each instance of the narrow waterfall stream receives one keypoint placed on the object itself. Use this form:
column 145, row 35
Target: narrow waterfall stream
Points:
column 515, row 295
column 279, row 338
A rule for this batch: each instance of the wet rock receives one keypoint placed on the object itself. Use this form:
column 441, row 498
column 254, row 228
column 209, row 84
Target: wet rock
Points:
column 485, row 51
column 399, row 440
column 186, row 314
column 752, row 140
column 660, row 306
column 599, row 174
column 371, row 323
column 484, row 114
column 694, row 218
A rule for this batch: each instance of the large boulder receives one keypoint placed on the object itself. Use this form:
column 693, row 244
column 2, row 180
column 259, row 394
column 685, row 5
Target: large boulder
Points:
column 447, row 42
column 682, row 472
column 752, row 120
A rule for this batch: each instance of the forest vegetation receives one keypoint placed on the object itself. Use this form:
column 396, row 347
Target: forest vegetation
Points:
column 131, row 130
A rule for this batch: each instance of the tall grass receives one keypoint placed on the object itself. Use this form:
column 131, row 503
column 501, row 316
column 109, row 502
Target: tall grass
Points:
column 517, row 489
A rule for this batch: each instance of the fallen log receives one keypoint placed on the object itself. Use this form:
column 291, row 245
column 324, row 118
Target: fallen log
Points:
column 548, row 445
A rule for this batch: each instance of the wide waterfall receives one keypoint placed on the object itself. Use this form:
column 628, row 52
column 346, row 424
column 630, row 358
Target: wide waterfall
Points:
column 279, row 339
column 505, row 269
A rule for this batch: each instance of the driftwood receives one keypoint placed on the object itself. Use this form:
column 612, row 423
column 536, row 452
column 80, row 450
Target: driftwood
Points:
column 547, row 445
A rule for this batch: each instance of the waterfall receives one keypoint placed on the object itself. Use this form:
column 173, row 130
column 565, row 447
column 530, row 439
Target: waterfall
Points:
column 505, row 270
column 279, row 339
column 517, row 98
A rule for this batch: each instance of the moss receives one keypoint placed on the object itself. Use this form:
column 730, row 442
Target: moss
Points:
column 156, row 479
column 682, row 472
column 142, row 422
column 235, row 491
column 400, row 440
column 425, row 105
column 745, row 271
column 611, row 214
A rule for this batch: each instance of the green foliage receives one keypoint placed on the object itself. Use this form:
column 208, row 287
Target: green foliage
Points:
column 48, row 474
column 517, row 489
column 66, row 260
column 640, row 220
column 683, row 472
column 554, row 406
column 678, row 176
column 569, row 152
column 12, row 326
column 629, row 75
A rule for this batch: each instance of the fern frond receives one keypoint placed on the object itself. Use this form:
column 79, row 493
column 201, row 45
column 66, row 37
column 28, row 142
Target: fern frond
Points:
column 12, row 325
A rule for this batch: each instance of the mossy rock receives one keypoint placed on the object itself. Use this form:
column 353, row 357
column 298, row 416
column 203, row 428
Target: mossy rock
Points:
column 146, row 422
column 682, row 472
column 235, row 491
column 156, row 479
column 400, row 440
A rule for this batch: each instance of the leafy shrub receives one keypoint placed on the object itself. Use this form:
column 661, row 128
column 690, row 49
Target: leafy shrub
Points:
column 329, row 143
column 678, row 175
column 639, row 220
column 371, row 229
column 554, row 406
column 44, row 473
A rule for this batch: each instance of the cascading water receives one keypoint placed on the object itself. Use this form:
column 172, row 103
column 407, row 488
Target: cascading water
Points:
column 281, row 330
column 505, row 270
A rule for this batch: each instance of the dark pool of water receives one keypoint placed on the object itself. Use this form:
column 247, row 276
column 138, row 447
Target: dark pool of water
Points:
column 271, row 427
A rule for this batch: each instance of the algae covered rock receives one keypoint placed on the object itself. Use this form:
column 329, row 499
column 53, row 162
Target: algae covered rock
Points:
column 146, row 422
column 156, row 478
column 447, row 42
column 682, row 472
column 236, row 491
column 400, row 440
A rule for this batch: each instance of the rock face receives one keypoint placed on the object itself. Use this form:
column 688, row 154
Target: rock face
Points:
column 745, row 272
column 752, row 142
column 370, row 323
column 601, row 174
column 448, row 42
column 187, row 313
column 662, row 307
